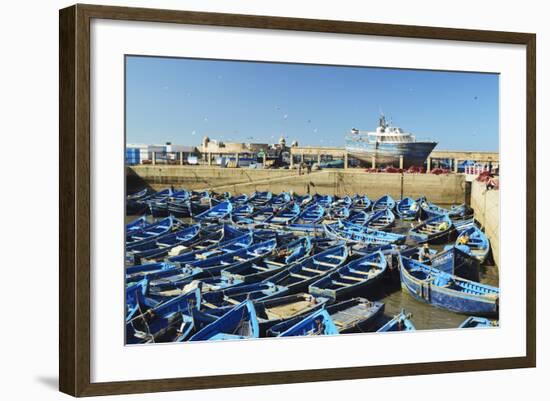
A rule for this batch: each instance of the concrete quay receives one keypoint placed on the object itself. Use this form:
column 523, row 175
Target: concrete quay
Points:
column 486, row 205
column 441, row 189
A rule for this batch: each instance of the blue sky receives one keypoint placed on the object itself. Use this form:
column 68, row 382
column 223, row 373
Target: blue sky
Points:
column 181, row 100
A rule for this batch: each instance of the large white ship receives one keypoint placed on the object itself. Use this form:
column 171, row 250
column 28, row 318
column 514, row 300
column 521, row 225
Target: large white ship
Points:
column 387, row 144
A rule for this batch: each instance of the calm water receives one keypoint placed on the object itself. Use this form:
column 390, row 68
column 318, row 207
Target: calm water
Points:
column 424, row 316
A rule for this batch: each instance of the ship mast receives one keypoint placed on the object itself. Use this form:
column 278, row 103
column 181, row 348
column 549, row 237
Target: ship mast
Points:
column 382, row 121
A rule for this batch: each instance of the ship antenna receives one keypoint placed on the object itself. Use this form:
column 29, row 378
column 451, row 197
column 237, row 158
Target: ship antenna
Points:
column 382, row 119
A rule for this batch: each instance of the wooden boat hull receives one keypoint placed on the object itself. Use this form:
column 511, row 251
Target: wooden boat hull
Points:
column 299, row 276
column 238, row 323
column 355, row 277
column 470, row 298
column 318, row 323
column 400, row 322
column 436, row 230
column 276, row 310
column 476, row 322
column 356, row 315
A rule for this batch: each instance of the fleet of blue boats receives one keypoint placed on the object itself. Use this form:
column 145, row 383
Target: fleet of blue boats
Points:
column 207, row 266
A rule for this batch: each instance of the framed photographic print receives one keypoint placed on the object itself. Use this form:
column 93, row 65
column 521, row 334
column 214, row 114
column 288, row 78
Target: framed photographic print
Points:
column 250, row 200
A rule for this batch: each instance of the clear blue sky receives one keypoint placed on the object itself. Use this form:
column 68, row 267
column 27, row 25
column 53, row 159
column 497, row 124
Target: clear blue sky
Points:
column 181, row 100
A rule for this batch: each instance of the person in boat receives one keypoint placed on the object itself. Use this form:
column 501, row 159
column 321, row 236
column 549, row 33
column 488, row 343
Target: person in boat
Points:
column 423, row 253
column 413, row 207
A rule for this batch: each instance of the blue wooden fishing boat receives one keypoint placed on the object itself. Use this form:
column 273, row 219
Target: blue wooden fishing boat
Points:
column 285, row 215
column 139, row 272
column 339, row 212
column 276, row 310
column 199, row 195
column 209, row 237
column 280, row 200
column 137, row 195
column 260, row 198
column 141, row 205
column 358, row 217
column 238, row 323
column 158, row 197
column 154, row 322
column 170, row 280
column 217, row 213
column 205, row 284
column 343, row 201
column 361, row 203
column 430, row 285
column 262, row 268
column 311, row 215
column 356, row 315
column 381, row 220
column 160, row 207
column 461, row 212
column 384, row 202
column 238, row 200
column 136, row 298
column 213, row 265
column 349, row 232
column 262, row 214
column 150, row 232
column 198, row 207
column 455, row 261
column 323, row 200
column 408, row 209
column 357, row 276
column 179, row 208
column 242, row 214
column 160, row 247
column 264, row 232
column 461, row 225
column 365, row 249
column 476, row 241
column 431, row 210
column 436, row 230
column 136, row 225
column 302, row 200
column 477, row 322
column 202, row 253
column 217, row 302
column 300, row 275
column 423, row 254
column 318, row 323
column 400, row 322
column 178, row 327
column 452, row 260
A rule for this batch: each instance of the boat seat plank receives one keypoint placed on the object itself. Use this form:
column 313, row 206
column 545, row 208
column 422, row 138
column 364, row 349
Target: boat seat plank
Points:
column 299, row 276
column 309, row 269
column 339, row 283
column 353, row 278
column 326, row 264
column 288, row 310
column 231, row 301
column 262, row 268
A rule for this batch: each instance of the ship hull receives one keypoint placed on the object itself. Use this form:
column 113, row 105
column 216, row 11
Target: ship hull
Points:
column 388, row 154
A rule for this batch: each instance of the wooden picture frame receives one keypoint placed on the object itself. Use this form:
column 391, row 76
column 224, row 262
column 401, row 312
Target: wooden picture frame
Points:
column 75, row 207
